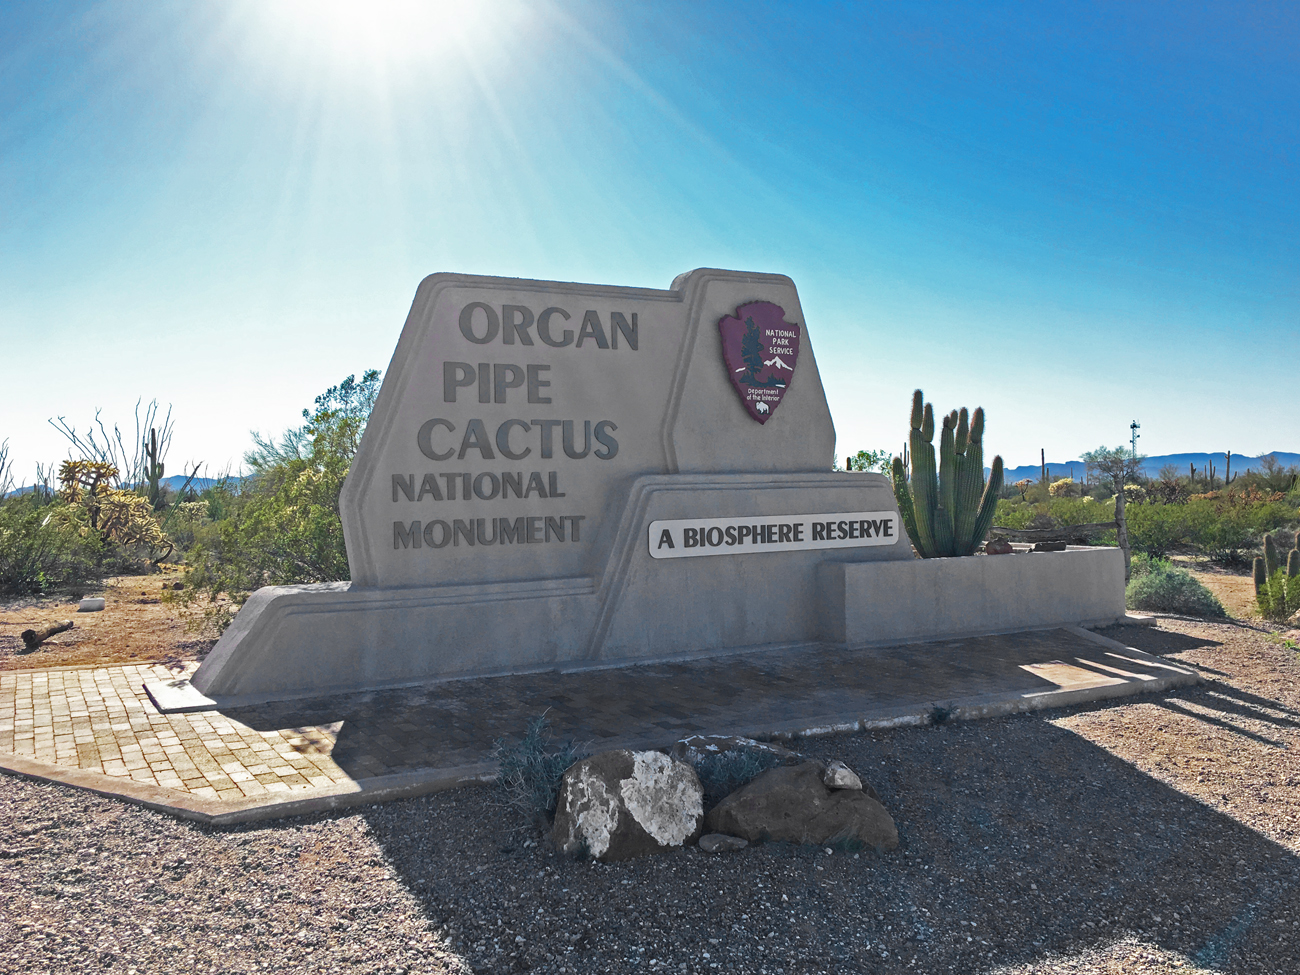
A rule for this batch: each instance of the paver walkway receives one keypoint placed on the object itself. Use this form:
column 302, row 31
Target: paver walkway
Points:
column 96, row 728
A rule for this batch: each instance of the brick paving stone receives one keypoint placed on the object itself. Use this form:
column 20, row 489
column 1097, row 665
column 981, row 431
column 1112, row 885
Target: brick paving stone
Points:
column 101, row 720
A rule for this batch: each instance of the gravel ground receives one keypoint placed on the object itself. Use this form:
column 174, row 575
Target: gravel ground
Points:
column 1157, row 835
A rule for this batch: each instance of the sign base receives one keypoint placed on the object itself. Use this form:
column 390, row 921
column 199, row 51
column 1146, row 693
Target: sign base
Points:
column 312, row 640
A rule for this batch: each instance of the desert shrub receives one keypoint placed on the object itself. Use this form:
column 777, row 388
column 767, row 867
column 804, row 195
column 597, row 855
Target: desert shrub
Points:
column 869, row 460
column 1236, row 520
column 281, row 524
column 1080, row 511
column 1014, row 513
column 1279, row 598
column 1036, row 493
column 46, row 548
column 529, row 771
column 1053, row 513
column 183, row 520
column 1141, row 564
column 1158, row 587
column 722, row 773
column 1156, row 528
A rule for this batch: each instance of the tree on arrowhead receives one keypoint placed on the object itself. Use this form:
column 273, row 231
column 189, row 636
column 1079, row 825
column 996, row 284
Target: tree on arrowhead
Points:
column 751, row 350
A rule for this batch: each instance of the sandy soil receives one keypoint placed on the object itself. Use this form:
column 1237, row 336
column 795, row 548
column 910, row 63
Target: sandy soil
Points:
column 139, row 623
column 1235, row 589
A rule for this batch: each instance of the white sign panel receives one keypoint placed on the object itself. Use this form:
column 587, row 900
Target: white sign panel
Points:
column 692, row 537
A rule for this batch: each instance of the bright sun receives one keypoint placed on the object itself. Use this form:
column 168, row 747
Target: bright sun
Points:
column 378, row 33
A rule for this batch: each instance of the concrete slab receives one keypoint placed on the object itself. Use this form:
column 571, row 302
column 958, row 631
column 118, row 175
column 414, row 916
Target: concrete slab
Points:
column 295, row 757
column 177, row 695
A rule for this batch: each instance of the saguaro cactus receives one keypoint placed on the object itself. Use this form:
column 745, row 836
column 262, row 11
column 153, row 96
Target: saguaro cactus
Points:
column 153, row 469
column 946, row 511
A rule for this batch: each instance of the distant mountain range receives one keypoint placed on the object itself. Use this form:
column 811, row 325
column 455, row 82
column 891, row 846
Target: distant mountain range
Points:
column 1074, row 468
column 1152, row 465
column 175, row 482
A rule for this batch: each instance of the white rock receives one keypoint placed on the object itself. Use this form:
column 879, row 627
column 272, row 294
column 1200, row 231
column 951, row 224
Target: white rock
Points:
column 621, row 804
column 840, row 776
column 664, row 800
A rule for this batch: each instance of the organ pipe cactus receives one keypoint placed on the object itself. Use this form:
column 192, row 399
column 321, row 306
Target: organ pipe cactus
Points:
column 947, row 511
column 1277, row 584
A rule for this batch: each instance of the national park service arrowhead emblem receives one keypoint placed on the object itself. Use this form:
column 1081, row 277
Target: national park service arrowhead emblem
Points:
column 760, row 349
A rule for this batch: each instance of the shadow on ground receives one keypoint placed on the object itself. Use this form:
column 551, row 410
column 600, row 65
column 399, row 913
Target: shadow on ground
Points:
column 1150, row 639
column 454, row 724
column 1020, row 841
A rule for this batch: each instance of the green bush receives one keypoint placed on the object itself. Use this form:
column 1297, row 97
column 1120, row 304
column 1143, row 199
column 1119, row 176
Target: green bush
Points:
column 1158, row 587
column 183, row 521
column 1054, row 512
column 1279, row 598
column 281, row 525
column 1222, row 526
column 46, row 548
column 1156, row 528
column 869, row 460
column 1014, row 513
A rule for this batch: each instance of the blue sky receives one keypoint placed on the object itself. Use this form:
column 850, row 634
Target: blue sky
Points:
column 1075, row 215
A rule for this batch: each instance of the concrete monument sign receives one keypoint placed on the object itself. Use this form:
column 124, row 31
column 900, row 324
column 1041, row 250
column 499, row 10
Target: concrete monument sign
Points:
column 569, row 476
column 540, row 458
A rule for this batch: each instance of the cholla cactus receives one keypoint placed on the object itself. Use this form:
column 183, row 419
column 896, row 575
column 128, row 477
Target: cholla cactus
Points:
column 1064, row 488
column 80, row 479
column 122, row 516
column 126, row 517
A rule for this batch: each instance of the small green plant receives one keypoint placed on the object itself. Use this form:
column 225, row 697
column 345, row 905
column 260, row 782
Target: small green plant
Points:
column 722, row 773
column 1158, row 587
column 1277, row 584
column 529, row 771
column 947, row 511
column 941, row 715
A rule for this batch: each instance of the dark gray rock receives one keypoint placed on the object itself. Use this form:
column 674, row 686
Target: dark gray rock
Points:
column 721, row 843
column 793, row 804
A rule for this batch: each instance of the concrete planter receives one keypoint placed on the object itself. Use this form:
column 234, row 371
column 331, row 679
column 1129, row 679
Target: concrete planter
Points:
column 931, row 599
